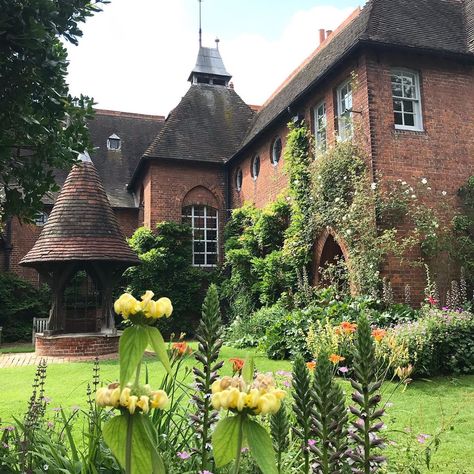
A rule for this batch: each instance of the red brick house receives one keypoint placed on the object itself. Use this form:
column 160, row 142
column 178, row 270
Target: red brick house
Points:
column 413, row 64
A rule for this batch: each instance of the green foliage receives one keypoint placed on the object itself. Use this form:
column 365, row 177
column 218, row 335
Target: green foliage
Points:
column 329, row 419
column 35, row 103
column 280, row 431
column 439, row 342
column 366, row 396
column 208, row 336
column 20, row 302
column 302, row 407
column 253, row 254
column 463, row 228
column 166, row 269
column 250, row 329
column 144, row 457
column 132, row 345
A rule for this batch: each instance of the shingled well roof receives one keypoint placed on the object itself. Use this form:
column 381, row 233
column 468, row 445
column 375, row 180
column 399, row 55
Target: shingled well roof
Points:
column 444, row 26
column 82, row 225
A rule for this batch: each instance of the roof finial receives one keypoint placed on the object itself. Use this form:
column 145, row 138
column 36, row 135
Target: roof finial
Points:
column 200, row 29
column 217, row 43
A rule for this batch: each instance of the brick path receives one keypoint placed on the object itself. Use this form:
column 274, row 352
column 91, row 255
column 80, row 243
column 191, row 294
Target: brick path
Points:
column 30, row 358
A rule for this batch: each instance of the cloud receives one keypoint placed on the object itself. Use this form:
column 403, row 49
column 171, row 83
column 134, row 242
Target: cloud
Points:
column 138, row 58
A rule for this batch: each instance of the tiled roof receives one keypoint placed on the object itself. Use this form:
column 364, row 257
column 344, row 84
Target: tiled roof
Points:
column 446, row 26
column 209, row 62
column 115, row 167
column 82, row 225
column 207, row 126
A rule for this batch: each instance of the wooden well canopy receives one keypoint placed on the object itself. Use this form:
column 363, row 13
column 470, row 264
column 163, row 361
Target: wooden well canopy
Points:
column 81, row 235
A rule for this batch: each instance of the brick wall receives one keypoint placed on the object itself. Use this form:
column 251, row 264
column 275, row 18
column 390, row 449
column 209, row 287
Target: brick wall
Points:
column 442, row 153
column 76, row 346
column 272, row 179
column 171, row 184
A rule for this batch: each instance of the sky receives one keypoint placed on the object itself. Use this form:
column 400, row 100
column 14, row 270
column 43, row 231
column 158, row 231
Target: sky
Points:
column 136, row 55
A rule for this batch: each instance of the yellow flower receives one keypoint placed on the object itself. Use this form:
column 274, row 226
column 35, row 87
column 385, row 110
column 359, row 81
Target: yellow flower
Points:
column 233, row 397
column 252, row 397
column 125, row 396
column 216, row 386
column 127, row 305
column 115, row 397
column 241, row 401
column 216, row 400
column 159, row 400
column 165, row 306
column 102, row 397
column 143, row 404
column 132, row 404
column 268, row 403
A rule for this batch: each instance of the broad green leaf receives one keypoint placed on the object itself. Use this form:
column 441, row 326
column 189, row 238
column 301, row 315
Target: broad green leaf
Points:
column 158, row 466
column 143, row 452
column 133, row 343
column 261, row 447
column 225, row 440
column 248, row 370
column 159, row 346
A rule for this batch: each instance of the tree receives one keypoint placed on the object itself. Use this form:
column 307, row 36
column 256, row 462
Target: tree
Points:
column 42, row 127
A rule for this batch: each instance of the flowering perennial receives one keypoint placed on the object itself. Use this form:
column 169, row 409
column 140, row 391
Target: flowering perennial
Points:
column 131, row 398
column 128, row 306
column 261, row 397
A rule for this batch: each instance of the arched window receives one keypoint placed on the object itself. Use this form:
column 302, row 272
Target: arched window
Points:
column 276, row 151
column 255, row 167
column 238, row 179
column 203, row 221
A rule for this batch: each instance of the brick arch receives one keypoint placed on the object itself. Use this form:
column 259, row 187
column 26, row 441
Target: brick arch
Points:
column 201, row 195
column 322, row 252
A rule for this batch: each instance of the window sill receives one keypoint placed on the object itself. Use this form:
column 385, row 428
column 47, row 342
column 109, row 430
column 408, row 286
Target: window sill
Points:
column 410, row 131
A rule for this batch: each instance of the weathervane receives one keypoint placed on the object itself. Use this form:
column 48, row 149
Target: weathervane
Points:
column 200, row 30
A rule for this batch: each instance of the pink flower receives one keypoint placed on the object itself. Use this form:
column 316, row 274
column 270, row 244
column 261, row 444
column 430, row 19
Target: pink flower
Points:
column 311, row 442
column 205, row 472
column 343, row 370
column 183, row 455
column 422, row 438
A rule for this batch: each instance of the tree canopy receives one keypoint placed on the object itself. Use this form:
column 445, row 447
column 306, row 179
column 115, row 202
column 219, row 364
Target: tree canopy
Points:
column 42, row 127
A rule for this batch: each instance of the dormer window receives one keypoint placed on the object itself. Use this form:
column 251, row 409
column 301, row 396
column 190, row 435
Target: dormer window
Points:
column 41, row 218
column 114, row 142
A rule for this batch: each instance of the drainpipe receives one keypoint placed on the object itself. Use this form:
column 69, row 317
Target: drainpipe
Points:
column 8, row 243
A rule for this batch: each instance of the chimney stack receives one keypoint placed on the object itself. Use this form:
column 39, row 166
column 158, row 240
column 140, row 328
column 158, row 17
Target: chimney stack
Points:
column 322, row 35
column 328, row 33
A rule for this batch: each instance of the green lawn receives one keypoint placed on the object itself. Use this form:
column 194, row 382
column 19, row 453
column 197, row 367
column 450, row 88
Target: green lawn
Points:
column 422, row 408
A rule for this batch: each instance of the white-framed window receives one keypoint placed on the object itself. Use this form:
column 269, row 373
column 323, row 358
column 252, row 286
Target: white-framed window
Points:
column 41, row 218
column 238, row 179
column 114, row 142
column 203, row 221
column 320, row 126
column 276, row 151
column 255, row 167
column 344, row 110
column 406, row 99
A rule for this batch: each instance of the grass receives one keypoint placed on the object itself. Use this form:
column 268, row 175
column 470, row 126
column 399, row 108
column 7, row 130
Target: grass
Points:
column 425, row 407
column 16, row 348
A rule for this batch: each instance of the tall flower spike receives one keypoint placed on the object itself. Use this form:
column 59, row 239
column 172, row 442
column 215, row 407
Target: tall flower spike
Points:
column 367, row 399
column 209, row 344
column 302, row 406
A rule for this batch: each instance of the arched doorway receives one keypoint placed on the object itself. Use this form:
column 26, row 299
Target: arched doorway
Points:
column 330, row 261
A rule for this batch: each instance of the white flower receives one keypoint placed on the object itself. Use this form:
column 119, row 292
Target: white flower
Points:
column 404, row 183
column 424, row 181
column 45, row 467
column 373, row 186
column 428, row 188
column 444, row 193
column 348, row 232
column 413, row 196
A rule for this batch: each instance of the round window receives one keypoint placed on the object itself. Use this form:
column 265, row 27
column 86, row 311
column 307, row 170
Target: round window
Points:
column 238, row 179
column 255, row 168
column 276, row 150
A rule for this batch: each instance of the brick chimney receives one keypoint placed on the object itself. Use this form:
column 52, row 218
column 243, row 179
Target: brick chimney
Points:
column 322, row 35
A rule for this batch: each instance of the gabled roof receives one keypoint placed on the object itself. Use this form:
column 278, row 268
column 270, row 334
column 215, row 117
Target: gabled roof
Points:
column 82, row 225
column 209, row 62
column 442, row 26
column 206, row 126
column 115, row 167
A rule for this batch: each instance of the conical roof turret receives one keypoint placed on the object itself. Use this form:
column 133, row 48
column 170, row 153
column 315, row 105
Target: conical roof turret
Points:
column 82, row 225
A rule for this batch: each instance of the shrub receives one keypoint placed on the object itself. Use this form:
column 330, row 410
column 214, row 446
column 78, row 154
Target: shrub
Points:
column 250, row 331
column 166, row 269
column 20, row 302
column 440, row 342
